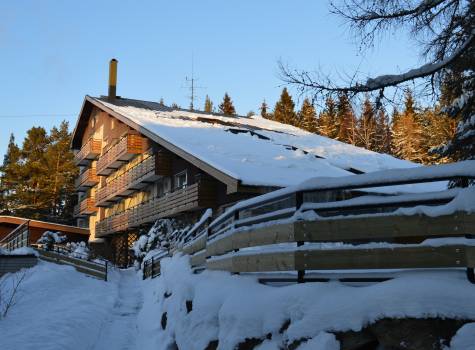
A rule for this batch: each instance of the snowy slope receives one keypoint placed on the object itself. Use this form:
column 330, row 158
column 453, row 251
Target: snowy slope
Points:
column 57, row 309
column 254, row 150
column 61, row 309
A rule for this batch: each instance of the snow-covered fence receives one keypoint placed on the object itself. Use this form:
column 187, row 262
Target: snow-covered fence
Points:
column 96, row 269
column 332, row 224
column 12, row 262
column 18, row 238
column 369, row 221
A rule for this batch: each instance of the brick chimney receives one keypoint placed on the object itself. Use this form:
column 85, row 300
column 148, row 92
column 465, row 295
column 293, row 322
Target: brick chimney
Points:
column 112, row 79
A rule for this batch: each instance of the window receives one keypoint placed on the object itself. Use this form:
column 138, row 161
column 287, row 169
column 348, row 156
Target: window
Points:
column 181, row 180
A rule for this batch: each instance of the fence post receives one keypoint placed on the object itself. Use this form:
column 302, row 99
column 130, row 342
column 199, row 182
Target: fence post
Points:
column 151, row 269
column 105, row 277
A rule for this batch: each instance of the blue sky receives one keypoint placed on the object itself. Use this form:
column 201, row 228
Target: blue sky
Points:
column 52, row 53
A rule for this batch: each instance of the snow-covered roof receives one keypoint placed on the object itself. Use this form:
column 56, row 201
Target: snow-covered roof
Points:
column 254, row 151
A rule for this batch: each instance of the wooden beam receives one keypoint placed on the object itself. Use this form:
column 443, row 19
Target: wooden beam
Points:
column 349, row 259
column 384, row 227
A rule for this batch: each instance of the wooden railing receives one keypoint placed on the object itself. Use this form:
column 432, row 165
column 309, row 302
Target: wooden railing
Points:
column 131, row 180
column 87, row 206
column 88, row 152
column 126, row 148
column 193, row 197
column 348, row 215
column 18, row 238
column 87, row 179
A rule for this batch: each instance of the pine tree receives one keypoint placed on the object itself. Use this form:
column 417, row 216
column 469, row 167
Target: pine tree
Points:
column 327, row 120
column 62, row 173
column 308, row 117
column 208, row 105
column 226, row 107
column 284, row 109
column 346, row 120
column 161, row 103
column 37, row 181
column 264, row 109
column 366, row 128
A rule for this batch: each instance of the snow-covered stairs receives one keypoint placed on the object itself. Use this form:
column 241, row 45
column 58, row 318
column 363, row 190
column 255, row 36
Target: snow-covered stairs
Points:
column 119, row 331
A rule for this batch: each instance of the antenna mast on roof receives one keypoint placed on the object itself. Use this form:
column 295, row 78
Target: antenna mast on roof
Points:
column 192, row 87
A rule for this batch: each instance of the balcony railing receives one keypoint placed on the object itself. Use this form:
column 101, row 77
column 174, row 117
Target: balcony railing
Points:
column 133, row 179
column 88, row 152
column 196, row 196
column 127, row 147
column 87, row 179
column 85, row 207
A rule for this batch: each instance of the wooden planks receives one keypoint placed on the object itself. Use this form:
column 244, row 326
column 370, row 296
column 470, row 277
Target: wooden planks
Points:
column 414, row 228
column 14, row 263
column 348, row 259
column 385, row 227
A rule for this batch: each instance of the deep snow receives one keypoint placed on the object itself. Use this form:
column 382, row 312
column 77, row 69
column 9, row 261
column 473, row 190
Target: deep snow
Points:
column 63, row 309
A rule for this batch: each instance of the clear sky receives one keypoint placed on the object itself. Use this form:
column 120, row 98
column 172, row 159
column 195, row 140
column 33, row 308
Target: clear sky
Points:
column 54, row 52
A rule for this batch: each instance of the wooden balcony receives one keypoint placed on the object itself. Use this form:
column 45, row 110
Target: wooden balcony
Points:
column 133, row 179
column 87, row 179
column 90, row 151
column 85, row 207
column 196, row 196
column 124, row 150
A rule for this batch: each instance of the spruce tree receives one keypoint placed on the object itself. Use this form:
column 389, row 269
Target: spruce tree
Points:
column 382, row 133
column 208, row 105
column 226, row 107
column 366, row 128
column 407, row 133
column 327, row 120
column 161, row 103
column 346, row 120
column 457, row 101
column 284, row 109
column 263, row 109
column 9, row 172
column 308, row 117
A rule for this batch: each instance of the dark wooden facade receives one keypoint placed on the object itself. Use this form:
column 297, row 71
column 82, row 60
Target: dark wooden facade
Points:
column 37, row 228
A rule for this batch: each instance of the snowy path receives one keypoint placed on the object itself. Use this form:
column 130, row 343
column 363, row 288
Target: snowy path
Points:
column 119, row 331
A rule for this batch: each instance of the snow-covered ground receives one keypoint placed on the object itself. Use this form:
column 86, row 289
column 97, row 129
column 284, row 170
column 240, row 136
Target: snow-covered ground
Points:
column 60, row 308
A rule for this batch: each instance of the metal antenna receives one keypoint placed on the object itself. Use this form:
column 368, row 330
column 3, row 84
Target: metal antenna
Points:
column 191, row 84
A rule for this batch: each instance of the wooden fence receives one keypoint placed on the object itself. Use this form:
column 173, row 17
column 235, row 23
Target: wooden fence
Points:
column 14, row 263
column 18, row 238
column 91, row 268
column 351, row 223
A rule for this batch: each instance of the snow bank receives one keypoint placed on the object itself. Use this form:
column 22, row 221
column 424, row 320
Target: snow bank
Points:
column 231, row 308
column 58, row 309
